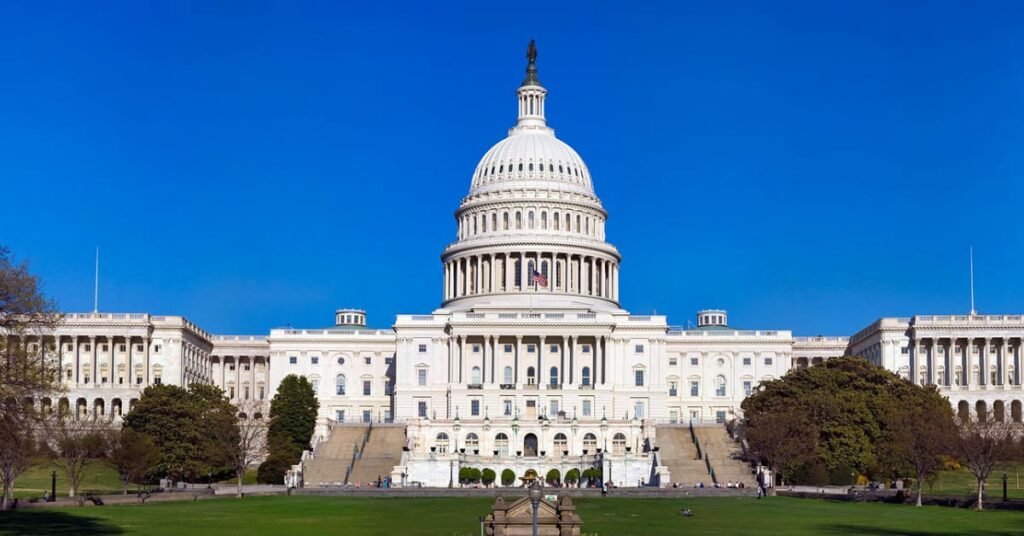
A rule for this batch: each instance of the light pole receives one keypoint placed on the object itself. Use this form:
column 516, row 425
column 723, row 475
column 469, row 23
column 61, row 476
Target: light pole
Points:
column 535, row 494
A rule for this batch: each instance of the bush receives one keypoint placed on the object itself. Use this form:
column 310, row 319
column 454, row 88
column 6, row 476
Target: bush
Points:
column 508, row 477
column 464, row 473
column 272, row 471
column 474, row 475
column 554, row 476
column 572, row 476
column 487, row 476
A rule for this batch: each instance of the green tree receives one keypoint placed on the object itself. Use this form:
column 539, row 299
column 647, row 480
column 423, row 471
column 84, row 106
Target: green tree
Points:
column 293, row 412
column 572, row 476
column 554, row 476
column 508, row 477
column 464, row 475
column 487, row 476
column 133, row 454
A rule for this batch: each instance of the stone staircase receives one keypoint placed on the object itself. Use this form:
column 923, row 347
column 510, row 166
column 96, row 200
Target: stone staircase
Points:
column 333, row 456
column 725, row 455
column 380, row 456
column 679, row 454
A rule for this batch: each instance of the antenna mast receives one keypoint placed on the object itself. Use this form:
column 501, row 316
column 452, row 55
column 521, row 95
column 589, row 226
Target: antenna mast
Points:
column 96, row 285
column 973, row 311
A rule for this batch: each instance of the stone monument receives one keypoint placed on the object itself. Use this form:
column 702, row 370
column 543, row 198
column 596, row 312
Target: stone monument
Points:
column 516, row 518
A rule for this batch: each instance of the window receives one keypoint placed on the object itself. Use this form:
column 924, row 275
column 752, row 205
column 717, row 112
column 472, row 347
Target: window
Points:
column 367, row 360
column 554, row 375
column 501, row 444
column 245, row 367
column 638, row 377
column 767, row 361
column 367, row 387
column 442, row 443
column 315, row 360
column 507, row 405
column 366, row 416
column 619, row 443
column 475, row 376
column 476, row 348
column 554, row 348
column 421, row 409
column 472, row 443
column 672, row 361
column 423, row 348
column 293, row 360
column 673, row 388
column 508, row 348
column 586, row 348
column 339, row 415
column 421, row 376
column 720, row 417
column 530, row 348
column 586, row 408
column 103, row 348
column 387, row 387
column 586, row 375
column 694, row 361
column 905, row 350
column 531, row 376
column 339, row 384
column 508, row 375
column 639, row 349
column 474, row 407
column 156, row 349
column 694, row 388
column 590, row 443
column 561, row 444
column 720, row 386
column 746, row 361
column 389, row 360
column 138, row 347
column 120, row 347
column 341, row 360
column 638, row 410
column 747, row 386
column 263, row 393
column 553, row 412
column 316, row 385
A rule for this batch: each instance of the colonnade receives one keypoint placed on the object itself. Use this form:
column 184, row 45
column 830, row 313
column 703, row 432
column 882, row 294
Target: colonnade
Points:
column 242, row 383
column 576, row 361
column 104, row 360
column 488, row 273
column 966, row 362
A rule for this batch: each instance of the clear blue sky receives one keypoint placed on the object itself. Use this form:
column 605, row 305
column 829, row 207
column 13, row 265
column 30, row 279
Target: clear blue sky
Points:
column 808, row 166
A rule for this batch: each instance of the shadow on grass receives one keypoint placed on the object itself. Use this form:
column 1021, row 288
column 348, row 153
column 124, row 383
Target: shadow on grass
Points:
column 868, row 529
column 44, row 521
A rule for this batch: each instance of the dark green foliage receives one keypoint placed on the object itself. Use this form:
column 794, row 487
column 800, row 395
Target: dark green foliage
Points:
column 554, row 476
column 189, row 427
column 469, row 475
column 508, row 477
column 572, row 476
column 832, row 422
column 293, row 412
column 487, row 476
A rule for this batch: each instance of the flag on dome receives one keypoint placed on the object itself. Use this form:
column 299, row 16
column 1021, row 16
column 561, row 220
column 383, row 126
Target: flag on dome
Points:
column 540, row 279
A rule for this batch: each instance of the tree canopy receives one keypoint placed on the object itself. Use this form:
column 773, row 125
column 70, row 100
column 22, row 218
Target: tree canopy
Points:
column 293, row 412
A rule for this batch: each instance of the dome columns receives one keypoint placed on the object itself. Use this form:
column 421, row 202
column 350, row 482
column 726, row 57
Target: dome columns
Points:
column 478, row 274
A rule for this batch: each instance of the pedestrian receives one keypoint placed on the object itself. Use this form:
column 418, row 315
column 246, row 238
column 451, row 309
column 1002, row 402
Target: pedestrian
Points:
column 604, row 489
column 760, row 485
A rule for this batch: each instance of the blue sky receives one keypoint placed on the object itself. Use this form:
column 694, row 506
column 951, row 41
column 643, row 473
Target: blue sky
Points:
column 808, row 166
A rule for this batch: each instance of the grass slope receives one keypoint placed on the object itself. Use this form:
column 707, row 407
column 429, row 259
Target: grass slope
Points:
column 99, row 477
column 458, row 516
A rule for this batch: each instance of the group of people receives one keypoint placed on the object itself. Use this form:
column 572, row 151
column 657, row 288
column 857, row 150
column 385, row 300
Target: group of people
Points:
column 381, row 482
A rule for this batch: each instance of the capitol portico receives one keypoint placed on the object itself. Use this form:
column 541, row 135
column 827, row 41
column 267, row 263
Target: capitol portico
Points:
column 530, row 361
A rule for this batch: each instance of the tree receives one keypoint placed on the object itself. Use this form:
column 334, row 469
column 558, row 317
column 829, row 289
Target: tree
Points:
column 27, row 374
column 464, row 475
column 553, row 477
column 782, row 439
column 572, row 476
column 487, row 476
column 133, row 454
column 920, row 431
column 251, row 444
column 508, row 477
column 981, row 445
column 293, row 412
column 79, row 443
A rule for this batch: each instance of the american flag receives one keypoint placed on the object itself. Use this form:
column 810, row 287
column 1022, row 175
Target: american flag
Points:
column 540, row 279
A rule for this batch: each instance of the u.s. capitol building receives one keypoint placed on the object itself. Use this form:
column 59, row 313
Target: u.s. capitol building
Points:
column 530, row 361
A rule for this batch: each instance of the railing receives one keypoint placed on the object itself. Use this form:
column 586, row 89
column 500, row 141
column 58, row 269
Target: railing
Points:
column 673, row 332
column 507, row 386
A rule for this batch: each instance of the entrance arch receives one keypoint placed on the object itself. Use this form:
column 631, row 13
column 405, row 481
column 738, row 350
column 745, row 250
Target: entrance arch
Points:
column 530, row 445
column 963, row 411
column 981, row 411
column 1015, row 411
column 998, row 410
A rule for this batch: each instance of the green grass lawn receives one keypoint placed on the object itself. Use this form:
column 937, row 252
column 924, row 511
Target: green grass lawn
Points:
column 99, row 477
column 458, row 516
column 963, row 483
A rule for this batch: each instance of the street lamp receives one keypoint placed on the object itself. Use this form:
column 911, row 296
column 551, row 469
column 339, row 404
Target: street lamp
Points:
column 53, row 486
column 535, row 495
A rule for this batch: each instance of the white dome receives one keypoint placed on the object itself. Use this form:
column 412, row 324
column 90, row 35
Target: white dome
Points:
column 531, row 158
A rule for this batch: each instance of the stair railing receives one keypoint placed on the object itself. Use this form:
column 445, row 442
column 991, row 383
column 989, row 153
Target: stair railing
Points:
column 355, row 456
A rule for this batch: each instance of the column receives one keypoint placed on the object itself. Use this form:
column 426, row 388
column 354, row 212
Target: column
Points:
column 223, row 373
column 592, row 273
column 110, row 368
column 478, row 275
column 238, row 378
column 129, row 373
column 507, row 263
column 1003, row 349
column 446, row 281
column 95, row 352
column 451, row 358
column 540, row 363
column 561, row 364
column 517, row 361
column 462, row 358
column 483, row 361
column 145, row 358
column 598, row 361
column 572, row 360
column 983, row 368
column 494, row 359
column 76, row 359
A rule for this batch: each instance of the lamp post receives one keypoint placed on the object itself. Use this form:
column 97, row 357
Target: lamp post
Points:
column 53, row 485
column 535, row 495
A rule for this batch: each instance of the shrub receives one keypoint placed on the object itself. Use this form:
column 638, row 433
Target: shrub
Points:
column 487, row 476
column 508, row 477
column 554, row 476
column 272, row 471
column 572, row 476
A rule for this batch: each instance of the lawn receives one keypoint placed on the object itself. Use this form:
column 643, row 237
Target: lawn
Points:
column 458, row 516
column 99, row 477
column 962, row 482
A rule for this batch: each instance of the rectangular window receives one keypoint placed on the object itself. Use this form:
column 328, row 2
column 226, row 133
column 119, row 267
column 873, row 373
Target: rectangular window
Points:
column 339, row 415
column 293, row 360
column 554, row 348
column 586, row 408
column 905, row 350
column 672, row 388
column 586, row 348
column 423, row 348
column 120, row 347
column 476, row 348
column 389, row 360
column 694, row 388
column 638, row 378
column 747, row 387
column 746, row 361
column 366, row 416
column 138, row 347
column 421, row 376
column 368, row 360
column 508, row 348
column 554, row 409
column 673, row 416
column 103, row 347
column 245, row 367
column 367, row 384
column 315, row 360
column 474, row 408
column 88, row 348
column 694, row 361
column 638, row 410
column 720, row 417
column 530, row 348
column 639, row 349
column 387, row 387
column 507, row 408
column 421, row 409
column 767, row 361
column 672, row 361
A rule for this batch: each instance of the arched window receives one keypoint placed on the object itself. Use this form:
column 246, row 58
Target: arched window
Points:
column 561, row 444
column 568, row 222
column 544, row 268
column 720, row 386
column 483, row 223
column 508, row 375
column 543, row 220
column 554, row 220
column 519, row 273
column 339, row 384
column 474, row 224
column 494, row 221
column 472, row 443
column 519, row 220
column 531, row 376
column 558, row 275
column 586, row 375
column 529, row 273
column 554, row 375
column 501, row 444
column 578, row 225
column 476, row 376
column 590, row 443
column 504, row 218
column 619, row 443
column 442, row 443
column 529, row 219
